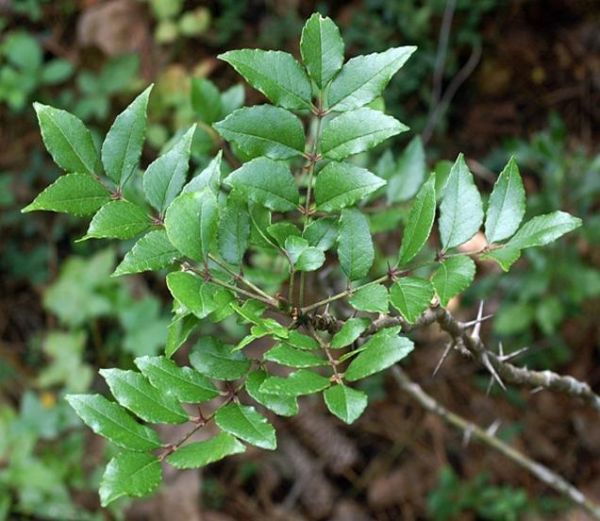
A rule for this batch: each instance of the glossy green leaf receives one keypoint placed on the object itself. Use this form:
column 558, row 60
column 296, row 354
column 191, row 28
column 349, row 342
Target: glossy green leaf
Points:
column 350, row 332
column 232, row 99
column 373, row 298
column 419, row 223
column 505, row 256
column 379, row 353
column 363, row 78
column 266, row 182
column 164, row 178
column 75, row 194
column 118, row 220
column 411, row 296
column 453, row 276
column 341, row 184
column 135, row 393
column 178, row 331
column 299, row 383
column 123, row 144
column 247, row 424
column 206, row 100
column 191, row 223
column 289, row 356
column 357, row 131
column 322, row 49
column 217, row 360
column 506, row 206
column 282, row 230
column 234, row 231
column 182, row 383
column 301, row 341
column 264, row 130
column 409, row 173
column 209, row 177
column 110, row 420
column 461, row 211
column 193, row 293
column 201, row 453
column 130, row 474
column 152, row 252
column 302, row 256
column 345, row 403
column 67, row 139
column 322, row 233
column 355, row 246
column 274, row 73
column 281, row 405
column 544, row 229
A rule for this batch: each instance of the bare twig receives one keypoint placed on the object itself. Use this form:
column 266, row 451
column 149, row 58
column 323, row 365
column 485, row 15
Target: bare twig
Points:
column 472, row 431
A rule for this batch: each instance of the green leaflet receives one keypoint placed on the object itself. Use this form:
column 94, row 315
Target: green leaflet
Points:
column 165, row 177
column 409, row 173
column 118, row 220
column 505, row 256
column 379, row 353
column 281, row 231
column 232, row 99
column 266, row 182
column 453, row 276
column 193, row 293
column 75, row 194
column 206, row 100
column 191, row 223
column 355, row 246
column 178, row 331
column 201, row 453
column 286, row 355
column 131, row 474
column 302, row 256
column 357, row 131
column 210, row 177
column 301, row 341
column 152, row 252
column 214, row 359
column 350, row 331
column 281, row 405
column 543, row 229
column 299, row 383
column 135, row 393
column 245, row 423
column 67, row 139
column 461, row 211
column 411, row 296
column 322, row 49
column 363, row 78
column 506, row 206
column 182, row 383
column 234, row 231
column 110, row 420
column 264, row 130
column 373, row 298
column 419, row 223
column 123, row 144
column 322, row 233
column 274, row 73
column 341, row 184
column 345, row 403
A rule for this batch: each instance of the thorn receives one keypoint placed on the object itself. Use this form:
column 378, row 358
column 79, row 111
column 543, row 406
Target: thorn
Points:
column 489, row 387
column 466, row 325
column 488, row 365
column 493, row 428
column 513, row 355
column 537, row 389
column 467, row 435
column 477, row 327
column 500, row 349
column 443, row 358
